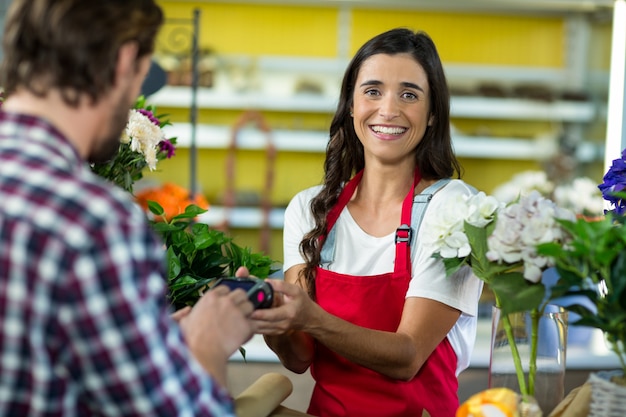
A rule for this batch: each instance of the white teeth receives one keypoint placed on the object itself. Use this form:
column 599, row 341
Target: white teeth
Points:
column 388, row 130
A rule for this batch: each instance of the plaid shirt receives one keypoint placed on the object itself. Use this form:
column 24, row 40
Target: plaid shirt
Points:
column 85, row 326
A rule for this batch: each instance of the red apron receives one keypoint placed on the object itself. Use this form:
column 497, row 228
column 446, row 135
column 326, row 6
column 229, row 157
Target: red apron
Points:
column 346, row 389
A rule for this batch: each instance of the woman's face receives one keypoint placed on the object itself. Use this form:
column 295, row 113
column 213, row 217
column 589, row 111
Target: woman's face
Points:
column 391, row 106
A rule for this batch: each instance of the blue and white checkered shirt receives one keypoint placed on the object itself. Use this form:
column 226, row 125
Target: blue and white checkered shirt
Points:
column 85, row 326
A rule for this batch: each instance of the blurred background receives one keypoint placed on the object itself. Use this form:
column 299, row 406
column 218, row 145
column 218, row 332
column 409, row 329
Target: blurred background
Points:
column 252, row 106
column 529, row 82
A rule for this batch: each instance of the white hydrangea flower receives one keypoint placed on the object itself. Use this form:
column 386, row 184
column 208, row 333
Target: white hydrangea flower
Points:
column 481, row 209
column 446, row 235
column 522, row 184
column 582, row 196
column 144, row 135
column 523, row 225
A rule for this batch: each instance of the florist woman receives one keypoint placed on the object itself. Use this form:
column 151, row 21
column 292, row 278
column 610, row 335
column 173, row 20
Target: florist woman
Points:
column 363, row 304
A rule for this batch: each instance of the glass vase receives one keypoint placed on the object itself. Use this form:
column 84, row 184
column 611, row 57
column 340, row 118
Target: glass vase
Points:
column 548, row 384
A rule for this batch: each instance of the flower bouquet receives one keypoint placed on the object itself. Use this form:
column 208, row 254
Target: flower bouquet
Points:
column 498, row 242
column 196, row 254
column 142, row 145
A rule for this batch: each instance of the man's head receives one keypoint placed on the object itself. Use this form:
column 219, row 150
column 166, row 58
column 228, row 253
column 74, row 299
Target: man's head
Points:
column 73, row 46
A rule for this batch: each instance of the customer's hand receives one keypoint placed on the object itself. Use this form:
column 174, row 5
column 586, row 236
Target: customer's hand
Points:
column 216, row 327
column 179, row 314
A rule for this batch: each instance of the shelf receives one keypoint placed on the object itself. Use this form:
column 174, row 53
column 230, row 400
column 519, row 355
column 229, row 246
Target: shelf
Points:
column 460, row 106
column 218, row 137
column 180, row 97
column 243, row 217
column 521, row 109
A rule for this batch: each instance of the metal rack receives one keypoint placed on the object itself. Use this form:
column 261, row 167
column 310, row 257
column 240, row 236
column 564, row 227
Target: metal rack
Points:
column 181, row 37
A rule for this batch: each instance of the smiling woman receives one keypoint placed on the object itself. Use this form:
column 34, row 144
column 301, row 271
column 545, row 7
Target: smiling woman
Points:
column 361, row 289
column 391, row 103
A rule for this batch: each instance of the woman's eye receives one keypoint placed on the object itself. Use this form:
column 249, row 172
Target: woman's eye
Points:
column 409, row 96
column 372, row 92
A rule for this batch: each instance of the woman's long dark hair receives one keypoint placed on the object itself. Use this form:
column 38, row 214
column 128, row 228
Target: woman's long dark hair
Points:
column 344, row 154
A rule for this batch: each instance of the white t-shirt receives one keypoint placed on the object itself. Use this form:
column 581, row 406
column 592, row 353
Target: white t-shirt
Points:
column 357, row 253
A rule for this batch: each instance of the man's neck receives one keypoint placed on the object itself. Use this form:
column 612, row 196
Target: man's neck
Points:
column 78, row 124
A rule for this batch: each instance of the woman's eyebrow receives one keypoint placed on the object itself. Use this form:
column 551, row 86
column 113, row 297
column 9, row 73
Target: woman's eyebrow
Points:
column 404, row 84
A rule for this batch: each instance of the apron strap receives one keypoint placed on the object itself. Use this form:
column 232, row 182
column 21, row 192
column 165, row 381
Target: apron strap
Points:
column 404, row 233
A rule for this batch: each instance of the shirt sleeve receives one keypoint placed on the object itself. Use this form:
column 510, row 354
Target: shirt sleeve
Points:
column 429, row 280
column 298, row 222
column 127, row 354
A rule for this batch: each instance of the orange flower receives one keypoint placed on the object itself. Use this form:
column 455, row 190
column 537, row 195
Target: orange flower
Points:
column 494, row 402
column 172, row 197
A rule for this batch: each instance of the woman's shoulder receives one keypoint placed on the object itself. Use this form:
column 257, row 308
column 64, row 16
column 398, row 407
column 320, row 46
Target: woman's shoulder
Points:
column 301, row 202
column 455, row 187
column 306, row 195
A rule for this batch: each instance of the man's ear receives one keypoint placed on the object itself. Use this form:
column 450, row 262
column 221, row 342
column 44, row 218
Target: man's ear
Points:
column 126, row 65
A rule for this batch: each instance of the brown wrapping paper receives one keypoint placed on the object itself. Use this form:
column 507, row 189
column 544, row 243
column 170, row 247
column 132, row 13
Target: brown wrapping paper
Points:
column 263, row 396
column 282, row 411
column 576, row 404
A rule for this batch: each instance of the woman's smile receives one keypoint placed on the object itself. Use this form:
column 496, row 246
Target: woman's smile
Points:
column 386, row 132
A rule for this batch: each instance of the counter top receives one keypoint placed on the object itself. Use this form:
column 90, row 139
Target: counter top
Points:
column 588, row 351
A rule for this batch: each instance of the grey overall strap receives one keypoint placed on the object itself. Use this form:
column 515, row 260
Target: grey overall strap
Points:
column 420, row 202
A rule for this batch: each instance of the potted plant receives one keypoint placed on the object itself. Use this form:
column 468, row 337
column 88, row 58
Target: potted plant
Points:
column 593, row 266
column 197, row 255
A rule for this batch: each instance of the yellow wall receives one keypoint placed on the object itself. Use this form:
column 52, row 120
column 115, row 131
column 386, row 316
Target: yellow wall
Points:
column 471, row 38
column 308, row 31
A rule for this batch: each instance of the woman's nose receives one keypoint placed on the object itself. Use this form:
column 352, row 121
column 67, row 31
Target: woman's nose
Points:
column 389, row 108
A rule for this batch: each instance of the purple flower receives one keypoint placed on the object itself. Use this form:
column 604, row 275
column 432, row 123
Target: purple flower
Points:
column 168, row 148
column 615, row 182
column 150, row 116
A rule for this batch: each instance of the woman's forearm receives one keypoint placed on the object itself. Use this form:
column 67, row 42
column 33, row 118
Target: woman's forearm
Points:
column 398, row 355
column 295, row 349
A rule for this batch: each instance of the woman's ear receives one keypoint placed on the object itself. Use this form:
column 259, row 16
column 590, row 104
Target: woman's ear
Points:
column 431, row 120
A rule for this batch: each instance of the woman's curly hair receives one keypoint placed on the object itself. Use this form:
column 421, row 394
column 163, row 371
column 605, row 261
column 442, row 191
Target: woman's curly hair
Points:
column 344, row 153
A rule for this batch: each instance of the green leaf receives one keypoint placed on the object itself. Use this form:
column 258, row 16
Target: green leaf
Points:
column 173, row 263
column 517, row 293
column 452, row 265
column 155, row 208
column 191, row 211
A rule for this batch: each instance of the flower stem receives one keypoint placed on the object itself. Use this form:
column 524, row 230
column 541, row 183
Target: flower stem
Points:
column 615, row 347
column 535, row 315
column 519, row 369
column 508, row 329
